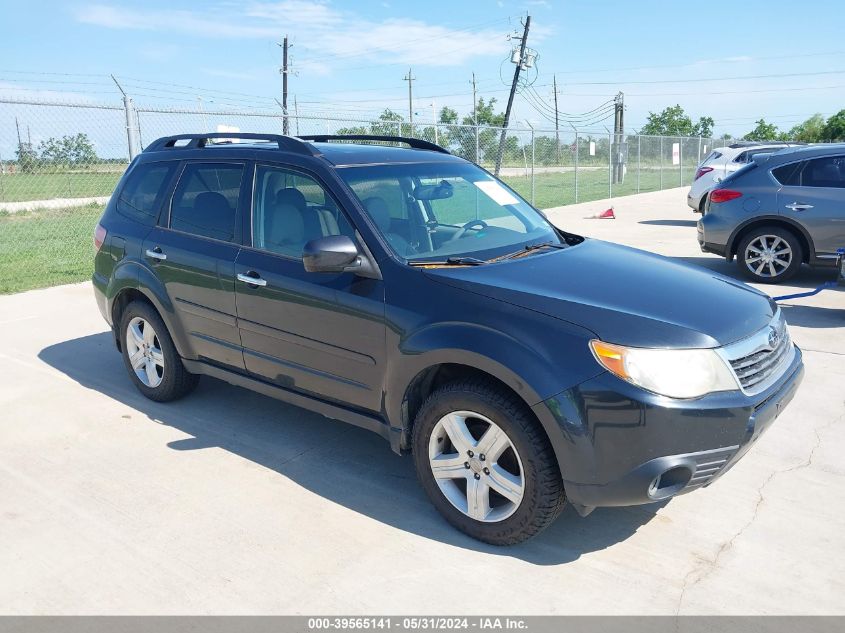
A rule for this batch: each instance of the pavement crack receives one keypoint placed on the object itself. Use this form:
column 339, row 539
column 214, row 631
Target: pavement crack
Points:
column 707, row 566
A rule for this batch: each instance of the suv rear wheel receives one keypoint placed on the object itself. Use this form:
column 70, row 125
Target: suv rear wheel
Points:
column 769, row 254
column 150, row 356
column 485, row 463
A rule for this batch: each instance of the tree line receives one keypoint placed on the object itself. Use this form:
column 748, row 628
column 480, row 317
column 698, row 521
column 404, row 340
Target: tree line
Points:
column 673, row 121
column 67, row 151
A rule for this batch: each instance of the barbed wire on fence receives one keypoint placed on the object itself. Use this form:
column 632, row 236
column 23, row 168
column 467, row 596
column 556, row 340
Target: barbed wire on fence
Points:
column 60, row 161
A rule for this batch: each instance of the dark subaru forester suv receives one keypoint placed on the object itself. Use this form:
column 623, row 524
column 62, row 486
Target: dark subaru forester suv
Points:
column 409, row 292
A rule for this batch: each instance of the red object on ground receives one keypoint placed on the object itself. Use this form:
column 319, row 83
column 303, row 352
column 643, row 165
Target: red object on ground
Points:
column 607, row 215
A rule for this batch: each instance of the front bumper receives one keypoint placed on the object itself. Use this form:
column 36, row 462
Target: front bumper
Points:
column 625, row 446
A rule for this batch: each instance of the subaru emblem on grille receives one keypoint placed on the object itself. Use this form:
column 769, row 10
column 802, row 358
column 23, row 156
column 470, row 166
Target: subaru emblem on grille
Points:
column 774, row 337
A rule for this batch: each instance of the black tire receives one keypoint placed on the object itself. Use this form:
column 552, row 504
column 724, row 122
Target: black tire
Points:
column 543, row 497
column 176, row 381
column 782, row 273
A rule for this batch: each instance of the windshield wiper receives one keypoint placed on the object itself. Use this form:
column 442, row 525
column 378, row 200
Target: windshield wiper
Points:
column 451, row 261
column 528, row 248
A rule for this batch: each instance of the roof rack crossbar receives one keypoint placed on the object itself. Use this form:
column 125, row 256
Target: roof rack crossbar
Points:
column 415, row 143
column 285, row 143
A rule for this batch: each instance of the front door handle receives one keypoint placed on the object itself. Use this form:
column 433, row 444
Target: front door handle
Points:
column 799, row 206
column 252, row 278
column 155, row 253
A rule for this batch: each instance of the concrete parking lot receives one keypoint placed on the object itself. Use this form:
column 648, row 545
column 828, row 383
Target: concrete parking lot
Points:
column 230, row 502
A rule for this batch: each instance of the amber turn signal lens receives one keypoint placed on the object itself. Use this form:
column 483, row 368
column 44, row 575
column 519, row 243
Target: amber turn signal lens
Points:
column 611, row 357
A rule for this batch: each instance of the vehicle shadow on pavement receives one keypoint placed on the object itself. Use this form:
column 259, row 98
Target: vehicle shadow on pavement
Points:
column 806, row 278
column 344, row 464
column 669, row 222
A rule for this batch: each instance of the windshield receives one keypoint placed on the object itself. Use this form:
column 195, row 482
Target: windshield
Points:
column 437, row 211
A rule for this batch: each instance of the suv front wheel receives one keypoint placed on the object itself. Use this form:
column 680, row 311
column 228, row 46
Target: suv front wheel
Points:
column 485, row 463
column 150, row 356
column 769, row 255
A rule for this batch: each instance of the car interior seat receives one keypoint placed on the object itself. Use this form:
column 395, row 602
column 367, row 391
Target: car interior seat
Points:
column 218, row 218
column 380, row 213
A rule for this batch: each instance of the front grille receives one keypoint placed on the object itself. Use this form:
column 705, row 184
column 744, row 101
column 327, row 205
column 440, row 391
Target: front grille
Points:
column 756, row 362
column 708, row 464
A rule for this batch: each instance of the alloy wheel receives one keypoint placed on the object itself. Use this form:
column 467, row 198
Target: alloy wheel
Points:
column 476, row 466
column 144, row 352
column 768, row 256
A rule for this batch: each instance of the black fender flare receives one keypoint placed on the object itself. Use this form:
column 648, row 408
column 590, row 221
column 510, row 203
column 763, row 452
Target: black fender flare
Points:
column 131, row 275
column 530, row 373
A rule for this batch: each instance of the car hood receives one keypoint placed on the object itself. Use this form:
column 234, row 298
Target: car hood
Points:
column 623, row 295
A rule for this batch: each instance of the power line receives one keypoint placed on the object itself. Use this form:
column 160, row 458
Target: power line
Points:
column 695, row 63
column 707, row 79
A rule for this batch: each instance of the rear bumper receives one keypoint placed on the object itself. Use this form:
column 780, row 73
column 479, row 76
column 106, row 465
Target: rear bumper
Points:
column 624, row 446
column 100, row 284
column 694, row 201
column 712, row 233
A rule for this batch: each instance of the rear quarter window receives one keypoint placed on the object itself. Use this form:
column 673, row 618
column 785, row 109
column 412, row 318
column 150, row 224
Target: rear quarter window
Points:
column 141, row 196
column 788, row 175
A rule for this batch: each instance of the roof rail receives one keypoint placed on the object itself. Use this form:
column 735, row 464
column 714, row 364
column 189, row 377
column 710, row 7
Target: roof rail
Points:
column 285, row 143
column 415, row 143
column 739, row 144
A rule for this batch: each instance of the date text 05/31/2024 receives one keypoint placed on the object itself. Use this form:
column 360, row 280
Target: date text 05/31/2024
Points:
column 427, row 623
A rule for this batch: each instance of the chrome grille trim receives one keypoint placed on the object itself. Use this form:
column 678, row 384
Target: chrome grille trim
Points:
column 754, row 362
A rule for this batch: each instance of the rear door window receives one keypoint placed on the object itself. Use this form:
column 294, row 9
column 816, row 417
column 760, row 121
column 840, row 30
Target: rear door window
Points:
column 824, row 172
column 206, row 199
column 141, row 197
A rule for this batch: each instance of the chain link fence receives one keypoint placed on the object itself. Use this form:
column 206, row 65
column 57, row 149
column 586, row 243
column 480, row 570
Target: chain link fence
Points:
column 59, row 162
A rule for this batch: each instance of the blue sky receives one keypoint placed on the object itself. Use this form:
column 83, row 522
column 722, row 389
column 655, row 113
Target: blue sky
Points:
column 350, row 58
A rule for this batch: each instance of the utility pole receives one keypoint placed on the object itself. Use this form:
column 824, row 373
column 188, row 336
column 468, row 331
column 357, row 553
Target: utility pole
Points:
column 410, row 79
column 475, row 119
column 619, row 138
column 285, row 124
column 18, row 127
column 557, row 125
column 434, row 118
column 519, row 64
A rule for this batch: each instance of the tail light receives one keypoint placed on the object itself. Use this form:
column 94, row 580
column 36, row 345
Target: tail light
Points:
column 723, row 195
column 99, row 237
column 701, row 171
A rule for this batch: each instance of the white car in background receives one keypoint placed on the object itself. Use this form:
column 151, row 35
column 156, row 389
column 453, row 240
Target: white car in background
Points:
column 721, row 162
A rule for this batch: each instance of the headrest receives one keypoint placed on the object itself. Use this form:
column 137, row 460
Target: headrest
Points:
column 291, row 196
column 215, row 209
column 379, row 212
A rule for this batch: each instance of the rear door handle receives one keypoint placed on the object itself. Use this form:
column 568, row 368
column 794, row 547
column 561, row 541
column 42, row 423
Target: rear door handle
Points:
column 251, row 278
column 798, row 206
column 155, row 253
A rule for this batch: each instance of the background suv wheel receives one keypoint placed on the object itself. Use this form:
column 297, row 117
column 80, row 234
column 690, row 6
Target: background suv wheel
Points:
column 769, row 254
column 485, row 463
column 150, row 356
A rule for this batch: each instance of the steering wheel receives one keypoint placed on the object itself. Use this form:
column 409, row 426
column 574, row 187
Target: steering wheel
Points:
column 481, row 224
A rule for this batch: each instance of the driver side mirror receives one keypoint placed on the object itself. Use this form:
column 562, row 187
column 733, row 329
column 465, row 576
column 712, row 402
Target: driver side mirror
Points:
column 339, row 254
column 331, row 254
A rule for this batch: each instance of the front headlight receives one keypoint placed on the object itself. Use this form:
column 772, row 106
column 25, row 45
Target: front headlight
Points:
column 677, row 373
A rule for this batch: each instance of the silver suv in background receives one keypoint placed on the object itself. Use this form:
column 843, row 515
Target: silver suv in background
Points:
column 722, row 162
column 779, row 211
